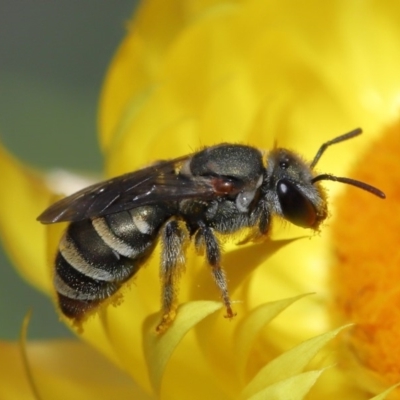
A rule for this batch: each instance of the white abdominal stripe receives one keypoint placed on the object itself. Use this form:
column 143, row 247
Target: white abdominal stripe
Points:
column 98, row 292
column 113, row 241
column 96, row 256
column 91, row 272
column 76, row 260
column 115, row 272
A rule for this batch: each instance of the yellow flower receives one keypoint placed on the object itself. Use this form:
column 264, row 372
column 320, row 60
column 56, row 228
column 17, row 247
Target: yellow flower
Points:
column 192, row 74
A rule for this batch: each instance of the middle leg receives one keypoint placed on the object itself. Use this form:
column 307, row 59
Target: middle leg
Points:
column 206, row 237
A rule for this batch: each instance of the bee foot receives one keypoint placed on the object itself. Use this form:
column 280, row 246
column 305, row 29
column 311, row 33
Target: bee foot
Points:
column 229, row 313
column 166, row 321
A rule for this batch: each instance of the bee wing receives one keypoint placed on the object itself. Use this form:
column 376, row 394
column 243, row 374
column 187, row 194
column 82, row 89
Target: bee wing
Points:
column 150, row 185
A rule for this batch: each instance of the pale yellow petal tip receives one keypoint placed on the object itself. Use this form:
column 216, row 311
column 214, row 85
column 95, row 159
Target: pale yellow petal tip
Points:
column 250, row 327
column 363, row 378
column 158, row 348
column 289, row 366
column 384, row 395
column 293, row 388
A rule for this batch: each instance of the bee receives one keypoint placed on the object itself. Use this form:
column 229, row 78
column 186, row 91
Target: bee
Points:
column 220, row 190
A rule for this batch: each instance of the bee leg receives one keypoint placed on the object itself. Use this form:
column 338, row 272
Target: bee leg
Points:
column 172, row 263
column 213, row 254
column 264, row 221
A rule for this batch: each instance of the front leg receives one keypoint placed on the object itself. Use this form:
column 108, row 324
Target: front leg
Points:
column 172, row 265
column 206, row 237
column 260, row 218
column 264, row 220
column 259, row 223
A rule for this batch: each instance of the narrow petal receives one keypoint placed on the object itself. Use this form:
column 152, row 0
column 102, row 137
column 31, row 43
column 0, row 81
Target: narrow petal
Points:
column 294, row 388
column 384, row 395
column 290, row 363
column 159, row 348
column 239, row 262
column 251, row 326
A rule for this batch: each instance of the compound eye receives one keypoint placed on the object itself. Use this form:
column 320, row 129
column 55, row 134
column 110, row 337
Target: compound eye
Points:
column 296, row 207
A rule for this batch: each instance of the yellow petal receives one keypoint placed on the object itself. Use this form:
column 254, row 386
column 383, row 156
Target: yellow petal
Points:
column 137, row 62
column 136, row 66
column 294, row 388
column 13, row 381
column 289, row 363
column 159, row 348
column 384, row 395
column 251, row 326
column 62, row 370
column 239, row 262
column 60, row 360
column 24, row 196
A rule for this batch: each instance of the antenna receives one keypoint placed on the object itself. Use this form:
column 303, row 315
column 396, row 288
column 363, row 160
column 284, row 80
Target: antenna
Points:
column 341, row 138
column 348, row 181
column 352, row 182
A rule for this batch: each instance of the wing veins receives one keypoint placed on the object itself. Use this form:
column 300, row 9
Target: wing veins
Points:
column 154, row 184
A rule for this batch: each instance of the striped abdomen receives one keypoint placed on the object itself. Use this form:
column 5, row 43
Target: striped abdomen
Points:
column 96, row 256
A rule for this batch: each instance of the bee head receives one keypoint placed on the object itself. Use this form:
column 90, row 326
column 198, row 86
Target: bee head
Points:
column 291, row 189
column 295, row 188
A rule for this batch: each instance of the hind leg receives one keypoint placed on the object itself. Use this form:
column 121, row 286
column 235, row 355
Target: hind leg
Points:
column 172, row 265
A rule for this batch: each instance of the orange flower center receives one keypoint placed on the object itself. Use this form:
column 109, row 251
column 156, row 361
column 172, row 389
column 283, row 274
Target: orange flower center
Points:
column 366, row 277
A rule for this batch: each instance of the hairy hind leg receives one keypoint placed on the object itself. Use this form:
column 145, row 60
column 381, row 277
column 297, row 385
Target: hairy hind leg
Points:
column 172, row 265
